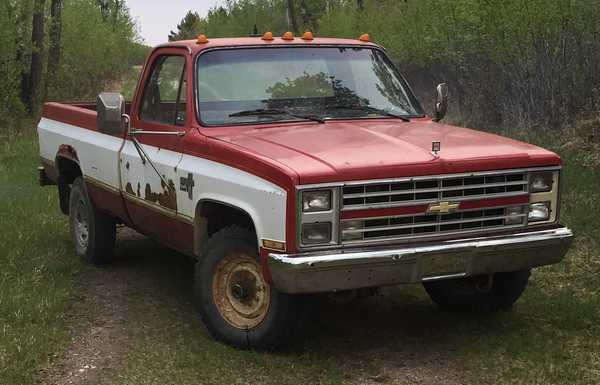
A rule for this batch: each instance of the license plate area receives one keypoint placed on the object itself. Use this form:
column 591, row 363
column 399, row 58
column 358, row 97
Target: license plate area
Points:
column 443, row 265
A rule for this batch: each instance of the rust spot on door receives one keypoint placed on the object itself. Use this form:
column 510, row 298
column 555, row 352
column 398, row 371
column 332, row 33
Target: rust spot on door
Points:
column 129, row 189
column 167, row 198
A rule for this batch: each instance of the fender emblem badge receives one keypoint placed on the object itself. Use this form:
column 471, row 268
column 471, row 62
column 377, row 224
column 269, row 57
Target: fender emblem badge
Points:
column 443, row 207
column 187, row 184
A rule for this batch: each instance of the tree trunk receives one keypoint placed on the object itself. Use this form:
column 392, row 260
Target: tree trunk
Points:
column 55, row 37
column 360, row 4
column 291, row 16
column 37, row 57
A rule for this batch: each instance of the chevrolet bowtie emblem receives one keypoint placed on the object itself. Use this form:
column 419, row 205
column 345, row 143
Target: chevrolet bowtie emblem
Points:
column 443, row 207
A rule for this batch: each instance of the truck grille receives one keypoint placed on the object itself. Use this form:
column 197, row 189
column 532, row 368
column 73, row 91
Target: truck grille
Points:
column 433, row 224
column 414, row 191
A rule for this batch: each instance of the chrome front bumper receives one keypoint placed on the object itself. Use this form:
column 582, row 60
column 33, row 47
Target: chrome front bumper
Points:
column 353, row 269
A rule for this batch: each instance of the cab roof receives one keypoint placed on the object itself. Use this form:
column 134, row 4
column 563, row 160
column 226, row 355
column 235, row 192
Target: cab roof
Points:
column 193, row 45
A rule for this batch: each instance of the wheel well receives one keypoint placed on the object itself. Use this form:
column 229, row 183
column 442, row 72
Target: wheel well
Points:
column 213, row 216
column 68, row 170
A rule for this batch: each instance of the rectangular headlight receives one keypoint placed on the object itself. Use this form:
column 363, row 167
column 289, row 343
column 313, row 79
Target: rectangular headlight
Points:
column 539, row 211
column 541, row 181
column 316, row 233
column 319, row 200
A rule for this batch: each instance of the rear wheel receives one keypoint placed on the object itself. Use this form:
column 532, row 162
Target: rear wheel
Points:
column 486, row 292
column 236, row 303
column 92, row 231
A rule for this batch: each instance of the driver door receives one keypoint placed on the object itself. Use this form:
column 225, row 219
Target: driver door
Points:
column 153, row 150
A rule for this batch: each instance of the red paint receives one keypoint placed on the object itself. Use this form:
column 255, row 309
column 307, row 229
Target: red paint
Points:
column 292, row 154
column 380, row 148
column 107, row 200
column 264, row 263
column 383, row 212
column 173, row 143
column 162, row 227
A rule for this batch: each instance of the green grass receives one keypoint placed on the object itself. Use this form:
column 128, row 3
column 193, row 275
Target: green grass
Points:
column 37, row 269
column 552, row 336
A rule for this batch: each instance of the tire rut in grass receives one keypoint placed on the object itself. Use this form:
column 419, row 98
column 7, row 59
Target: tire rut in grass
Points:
column 99, row 322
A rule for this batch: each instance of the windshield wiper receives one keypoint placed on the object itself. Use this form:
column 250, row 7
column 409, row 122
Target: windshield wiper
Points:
column 374, row 110
column 270, row 112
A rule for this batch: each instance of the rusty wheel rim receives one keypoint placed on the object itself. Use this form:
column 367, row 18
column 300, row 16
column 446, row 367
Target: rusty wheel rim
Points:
column 81, row 224
column 240, row 292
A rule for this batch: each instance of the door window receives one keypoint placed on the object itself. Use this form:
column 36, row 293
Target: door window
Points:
column 164, row 99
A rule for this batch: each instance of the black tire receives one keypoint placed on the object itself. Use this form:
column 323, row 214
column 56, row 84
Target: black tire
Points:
column 93, row 232
column 275, row 327
column 498, row 292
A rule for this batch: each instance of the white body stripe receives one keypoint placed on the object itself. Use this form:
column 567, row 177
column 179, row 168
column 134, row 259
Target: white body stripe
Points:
column 264, row 201
column 98, row 153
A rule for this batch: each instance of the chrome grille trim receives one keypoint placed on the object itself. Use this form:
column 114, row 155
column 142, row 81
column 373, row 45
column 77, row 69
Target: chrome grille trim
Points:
column 416, row 191
column 491, row 219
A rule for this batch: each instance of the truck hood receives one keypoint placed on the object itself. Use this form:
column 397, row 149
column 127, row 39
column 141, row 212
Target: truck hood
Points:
column 373, row 149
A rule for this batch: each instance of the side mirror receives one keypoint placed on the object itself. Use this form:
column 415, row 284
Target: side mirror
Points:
column 110, row 108
column 441, row 104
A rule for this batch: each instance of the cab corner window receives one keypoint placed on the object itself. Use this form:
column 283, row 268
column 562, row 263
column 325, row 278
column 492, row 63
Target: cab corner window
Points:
column 164, row 99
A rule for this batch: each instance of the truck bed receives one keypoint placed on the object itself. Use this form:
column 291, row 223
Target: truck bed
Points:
column 82, row 114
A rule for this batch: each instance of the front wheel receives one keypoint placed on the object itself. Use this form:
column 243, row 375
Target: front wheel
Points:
column 486, row 292
column 237, row 305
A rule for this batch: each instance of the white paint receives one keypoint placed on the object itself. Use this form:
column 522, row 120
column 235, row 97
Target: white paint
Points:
column 99, row 156
column 98, row 153
column 264, row 201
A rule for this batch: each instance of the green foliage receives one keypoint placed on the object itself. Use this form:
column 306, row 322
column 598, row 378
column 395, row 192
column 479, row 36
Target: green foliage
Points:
column 98, row 48
column 189, row 27
column 10, row 65
column 96, row 51
column 525, row 63
column 38, row 267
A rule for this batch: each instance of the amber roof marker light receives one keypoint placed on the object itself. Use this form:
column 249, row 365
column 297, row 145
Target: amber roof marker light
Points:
column 202, row 39
column 268, row 36
column 365, row 37
column 308, row 36
column 288, row 36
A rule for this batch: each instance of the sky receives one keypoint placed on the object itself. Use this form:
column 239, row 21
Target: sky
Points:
column 156, row 18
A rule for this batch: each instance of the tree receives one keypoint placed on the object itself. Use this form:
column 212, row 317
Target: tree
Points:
column 37, row 57
column 291, row 16
column 188, row 28
column 55, row 32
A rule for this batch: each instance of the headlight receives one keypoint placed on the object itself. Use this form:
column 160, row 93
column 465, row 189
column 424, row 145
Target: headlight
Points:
column 514, row 215
column 313, row 233
column 539, row 211
column 316, row 201
column 540, row 181
column 352, row 225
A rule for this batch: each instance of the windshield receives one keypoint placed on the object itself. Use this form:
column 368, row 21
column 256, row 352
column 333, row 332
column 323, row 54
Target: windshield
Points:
column 237, row 86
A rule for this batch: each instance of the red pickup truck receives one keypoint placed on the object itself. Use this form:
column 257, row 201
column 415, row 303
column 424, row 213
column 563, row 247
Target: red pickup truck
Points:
column 297, row 165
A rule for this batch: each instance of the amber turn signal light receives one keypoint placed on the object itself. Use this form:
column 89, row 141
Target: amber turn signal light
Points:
column 202, row 39
column 288, row 36
column 365, row 37
column 307, row 36
column 268, row 36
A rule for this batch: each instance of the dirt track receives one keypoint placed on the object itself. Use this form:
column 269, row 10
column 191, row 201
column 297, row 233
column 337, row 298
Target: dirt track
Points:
column 378, row 340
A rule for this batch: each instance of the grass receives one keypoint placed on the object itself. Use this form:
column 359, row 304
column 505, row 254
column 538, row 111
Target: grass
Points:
column 552, row 336
column 38, row 272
